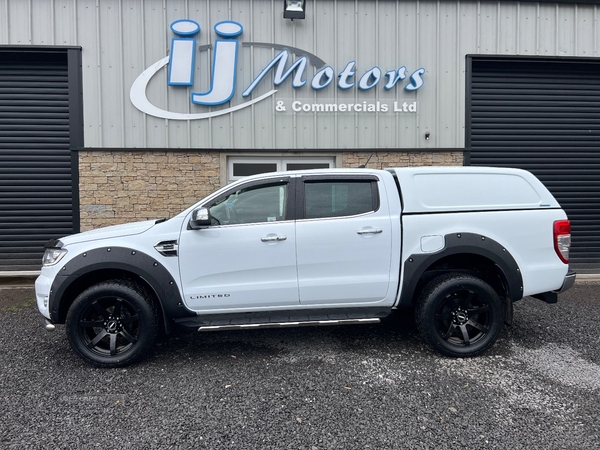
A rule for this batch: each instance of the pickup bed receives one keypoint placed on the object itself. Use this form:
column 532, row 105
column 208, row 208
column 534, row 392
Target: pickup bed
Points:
column 455, row 245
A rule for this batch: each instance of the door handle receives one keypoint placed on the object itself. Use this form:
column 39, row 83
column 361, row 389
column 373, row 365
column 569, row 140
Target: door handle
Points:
column 273, row 238
column 370, row 231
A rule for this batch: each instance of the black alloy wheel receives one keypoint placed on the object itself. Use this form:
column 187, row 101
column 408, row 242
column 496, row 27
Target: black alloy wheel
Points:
column 459, row 315
column 112, row 324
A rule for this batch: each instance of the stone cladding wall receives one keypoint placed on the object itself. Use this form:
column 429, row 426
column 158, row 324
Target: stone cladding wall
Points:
column 123, row 186
column 126, row 186
column 383, row 159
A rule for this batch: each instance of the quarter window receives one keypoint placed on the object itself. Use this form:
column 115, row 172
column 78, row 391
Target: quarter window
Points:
column 338, row 198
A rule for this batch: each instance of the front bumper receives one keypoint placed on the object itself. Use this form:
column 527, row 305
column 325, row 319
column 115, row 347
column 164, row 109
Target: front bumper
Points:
column 43, row 284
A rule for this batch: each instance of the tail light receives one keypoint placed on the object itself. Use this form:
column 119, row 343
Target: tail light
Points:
column 562, row 239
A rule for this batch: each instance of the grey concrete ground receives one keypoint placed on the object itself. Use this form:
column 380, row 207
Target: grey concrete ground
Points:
column 355, row 387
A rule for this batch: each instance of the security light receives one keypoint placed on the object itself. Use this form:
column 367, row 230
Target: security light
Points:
column 294, row 9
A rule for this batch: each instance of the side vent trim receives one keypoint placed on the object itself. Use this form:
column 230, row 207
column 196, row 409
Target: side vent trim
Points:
column 167, row 248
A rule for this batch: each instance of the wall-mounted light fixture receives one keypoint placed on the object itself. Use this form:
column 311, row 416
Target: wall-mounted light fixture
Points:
column 294, row 9
column 427, row 135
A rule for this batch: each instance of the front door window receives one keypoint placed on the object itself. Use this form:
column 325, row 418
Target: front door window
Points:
column 255, row 204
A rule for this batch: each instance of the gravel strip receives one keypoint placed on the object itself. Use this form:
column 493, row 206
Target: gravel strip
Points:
column 354, row 387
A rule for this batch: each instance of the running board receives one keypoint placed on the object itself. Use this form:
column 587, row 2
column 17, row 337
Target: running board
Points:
column 282, row 319
column 251, row 326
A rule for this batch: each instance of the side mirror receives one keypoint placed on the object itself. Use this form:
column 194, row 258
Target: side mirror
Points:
column 200, row 219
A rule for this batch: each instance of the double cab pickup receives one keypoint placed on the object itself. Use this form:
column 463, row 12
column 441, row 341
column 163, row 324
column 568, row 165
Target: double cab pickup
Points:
column 455, row 246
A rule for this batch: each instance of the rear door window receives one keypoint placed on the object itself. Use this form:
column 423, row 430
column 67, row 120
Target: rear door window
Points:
column 339, row 198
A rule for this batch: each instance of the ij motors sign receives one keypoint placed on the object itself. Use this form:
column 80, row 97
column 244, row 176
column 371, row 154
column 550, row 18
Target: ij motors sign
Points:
column 181, row 67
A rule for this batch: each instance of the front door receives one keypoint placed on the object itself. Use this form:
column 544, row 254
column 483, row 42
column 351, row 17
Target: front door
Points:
column 247, row 258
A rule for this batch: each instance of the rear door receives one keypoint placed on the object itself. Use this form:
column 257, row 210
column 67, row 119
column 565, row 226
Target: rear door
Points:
column 343, row 240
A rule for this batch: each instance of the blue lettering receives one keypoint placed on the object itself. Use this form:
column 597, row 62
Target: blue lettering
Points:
column 395, row 76
column 416, row 81
column 181, row 59
column 317, row 81
column 222, row 86
column 224, row 67
column 369, row 79
column 281, row 60
column 345, row 74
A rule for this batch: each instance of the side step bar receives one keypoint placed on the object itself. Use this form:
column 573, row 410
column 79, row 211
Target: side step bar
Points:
column 247, row 326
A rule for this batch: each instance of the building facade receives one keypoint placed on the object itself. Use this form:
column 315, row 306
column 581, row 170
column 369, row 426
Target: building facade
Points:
column 122, row 110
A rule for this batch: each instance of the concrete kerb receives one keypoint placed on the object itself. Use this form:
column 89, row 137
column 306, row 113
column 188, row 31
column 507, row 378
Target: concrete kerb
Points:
column 17, row 279
column 587, row 278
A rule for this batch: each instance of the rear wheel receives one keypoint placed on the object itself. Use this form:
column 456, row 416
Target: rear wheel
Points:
column 112, row 324
column 459, row 315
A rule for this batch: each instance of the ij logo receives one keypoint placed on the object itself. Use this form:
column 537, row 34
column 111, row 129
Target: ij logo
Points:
column 181, row 65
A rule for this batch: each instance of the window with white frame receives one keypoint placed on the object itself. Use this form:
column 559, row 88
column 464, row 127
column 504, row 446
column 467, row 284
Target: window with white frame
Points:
column 240, row 167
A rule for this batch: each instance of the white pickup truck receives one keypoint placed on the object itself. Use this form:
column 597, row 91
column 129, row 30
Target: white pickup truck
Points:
column 456, row 245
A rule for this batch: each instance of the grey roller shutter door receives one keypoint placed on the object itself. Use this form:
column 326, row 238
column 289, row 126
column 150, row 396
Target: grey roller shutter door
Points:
column 36, row 198
column 544, row 116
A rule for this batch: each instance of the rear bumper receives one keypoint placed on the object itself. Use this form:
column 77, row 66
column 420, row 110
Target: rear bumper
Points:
column 568, row 282
column 552, row 297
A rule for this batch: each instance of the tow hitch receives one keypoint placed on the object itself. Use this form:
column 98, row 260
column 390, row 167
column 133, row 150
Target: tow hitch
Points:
column 49, row 326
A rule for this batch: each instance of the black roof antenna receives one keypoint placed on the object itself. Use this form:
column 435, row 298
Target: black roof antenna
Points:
column 362, row 166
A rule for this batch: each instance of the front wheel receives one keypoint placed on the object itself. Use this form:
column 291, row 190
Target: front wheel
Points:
column 459, row 315
column 112, row 324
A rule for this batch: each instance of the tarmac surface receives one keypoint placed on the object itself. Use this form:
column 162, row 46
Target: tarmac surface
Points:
column 353, row 387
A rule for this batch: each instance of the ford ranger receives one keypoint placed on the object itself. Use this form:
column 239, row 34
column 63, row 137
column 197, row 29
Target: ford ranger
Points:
column 455, row 245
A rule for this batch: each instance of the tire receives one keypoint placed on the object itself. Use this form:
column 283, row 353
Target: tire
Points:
column 112, row 324
column 459, row 315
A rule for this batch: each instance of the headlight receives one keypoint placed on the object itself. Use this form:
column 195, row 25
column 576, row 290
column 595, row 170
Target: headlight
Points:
column 53, row 255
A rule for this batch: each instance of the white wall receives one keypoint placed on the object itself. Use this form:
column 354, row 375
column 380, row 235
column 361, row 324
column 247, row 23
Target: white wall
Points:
column 120, row 38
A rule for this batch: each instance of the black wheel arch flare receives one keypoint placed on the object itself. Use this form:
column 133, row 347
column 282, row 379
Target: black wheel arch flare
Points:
column 117, row 259
column 416, row 265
